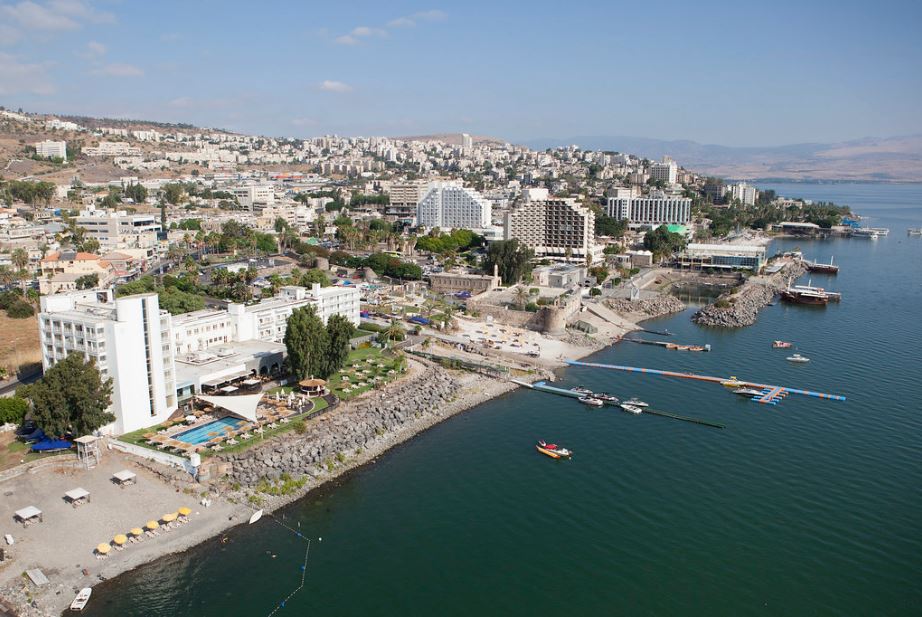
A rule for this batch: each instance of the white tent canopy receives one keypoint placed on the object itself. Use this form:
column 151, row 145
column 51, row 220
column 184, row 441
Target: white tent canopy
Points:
column 243, row 405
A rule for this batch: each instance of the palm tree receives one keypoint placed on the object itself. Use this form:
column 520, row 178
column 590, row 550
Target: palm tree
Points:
column 20, row 259
column 394, row 331
column 521, row 297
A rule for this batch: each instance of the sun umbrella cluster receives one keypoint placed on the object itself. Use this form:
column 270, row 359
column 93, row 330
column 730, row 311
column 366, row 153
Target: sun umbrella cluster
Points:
column 152, row 528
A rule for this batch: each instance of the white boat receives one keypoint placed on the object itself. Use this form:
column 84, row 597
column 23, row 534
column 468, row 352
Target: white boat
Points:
column 631, row 408
column 636, row 402
column 256, row 516
column 747, row 392
column 797, row 358
column 581, row 390
column 914, row 231
column 82, row 598
column 590, row 401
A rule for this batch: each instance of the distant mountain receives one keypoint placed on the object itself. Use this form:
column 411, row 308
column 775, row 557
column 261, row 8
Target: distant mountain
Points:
column 869, row 159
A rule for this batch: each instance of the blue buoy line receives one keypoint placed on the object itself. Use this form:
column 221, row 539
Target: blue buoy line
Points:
column 303, row 567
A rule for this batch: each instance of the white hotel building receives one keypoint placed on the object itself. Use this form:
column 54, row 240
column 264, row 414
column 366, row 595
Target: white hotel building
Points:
column 449, row 205
column 653, row 210
column 52, row 149
column 146, row 350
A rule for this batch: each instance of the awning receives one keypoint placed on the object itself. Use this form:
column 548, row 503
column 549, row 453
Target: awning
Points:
column 213, row 383
column 243, row 405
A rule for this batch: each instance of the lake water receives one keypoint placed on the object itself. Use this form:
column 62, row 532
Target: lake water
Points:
column 808, row 508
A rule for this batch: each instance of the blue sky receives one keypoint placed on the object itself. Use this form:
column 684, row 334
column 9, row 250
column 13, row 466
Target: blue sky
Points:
column 733, row 73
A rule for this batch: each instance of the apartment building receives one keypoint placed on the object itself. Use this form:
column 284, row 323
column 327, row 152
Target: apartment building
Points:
column 254, row 197
column 129, row 340
column 60, row 271
column 654, row 209
column 112, row 148
column 745, row 193
column 667, row 171
column 404, row 197
column 119, row 230
column 554, row 228
column 52, row 149
column 449, row 205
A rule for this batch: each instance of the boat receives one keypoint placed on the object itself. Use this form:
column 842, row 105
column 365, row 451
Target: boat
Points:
column 914, row 231
column 733, row 382
column 256, row 516
column 82, row 598
column 631, row 408
column 590, row 401
column 747, row 392
column 815, row 266
column 636, row 402
column 781, row 345
column 808, row 294
column 797, row 358
column 607, row 398
column 870, row 232
column 552, row 450
column 581, row 390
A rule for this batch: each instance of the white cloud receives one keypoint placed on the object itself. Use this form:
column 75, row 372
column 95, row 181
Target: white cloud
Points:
column 119, row 70
column 346, row 40
column 329, row 85
column 367, row 31
column 23, row 78
column 9, row 35
column 33, row 16
column 18, row 18
column 401, row 22
column 81, row 10
column 95, row 48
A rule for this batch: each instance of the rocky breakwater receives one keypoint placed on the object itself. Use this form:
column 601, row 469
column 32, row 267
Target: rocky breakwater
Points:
column 356, row 427
column 663, row 304
column 740, row 306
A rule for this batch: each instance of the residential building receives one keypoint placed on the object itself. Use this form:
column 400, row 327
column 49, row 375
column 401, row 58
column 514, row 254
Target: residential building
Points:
column 449, row 205
column 52, row 149
column 129, row 340
column 118, row 229
column 666, row 171
column 563, row 276
column 745, row 193
column 404, row 197
column 467, row 144
column 554, row 228
column 112, row 148
column 254, row 197
column 654, row 209
column 60, row 271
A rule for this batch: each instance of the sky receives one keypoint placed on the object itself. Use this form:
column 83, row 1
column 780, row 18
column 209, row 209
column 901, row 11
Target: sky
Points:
column 735, row 73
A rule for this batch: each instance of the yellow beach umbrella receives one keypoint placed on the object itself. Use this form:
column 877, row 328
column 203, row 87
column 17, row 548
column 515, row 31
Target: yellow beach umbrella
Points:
column 168, row 518
column 137, row 531
column 184, row 511
column 102, row 549
column 120, row 539
column 152, row 524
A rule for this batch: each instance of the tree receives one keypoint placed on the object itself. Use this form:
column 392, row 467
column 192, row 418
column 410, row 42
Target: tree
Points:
column 339, row 334
column 173, row 193
column 20, row 259
column 13, row 410
column 70, row 397
column 662, row 242
column 521, row 297
column 512, row 258
column 314, row 276
column 306, row 343
column 393, row 332
column 87, row 281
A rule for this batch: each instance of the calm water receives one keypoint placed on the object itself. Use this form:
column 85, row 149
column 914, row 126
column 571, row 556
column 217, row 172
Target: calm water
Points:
column 808, row 508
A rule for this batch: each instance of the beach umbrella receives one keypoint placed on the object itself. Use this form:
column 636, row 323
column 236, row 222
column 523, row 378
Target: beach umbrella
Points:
column 136, row 531
column 184, row 511
column 120, row 539
column 152, row 524
column 168, row 518
column 102, row 549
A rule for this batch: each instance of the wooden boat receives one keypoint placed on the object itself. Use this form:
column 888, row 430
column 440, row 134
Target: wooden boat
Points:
column 82, row 598
column 815, row 266
column 552, row 450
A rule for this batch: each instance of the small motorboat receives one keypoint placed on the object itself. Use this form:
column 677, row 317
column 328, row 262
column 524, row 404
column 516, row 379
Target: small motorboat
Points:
column 607, row 398
column 631, row 408
column 590, row 401
column 733, row 382
column 797, row 358
column 636, row 402
column 552, row 450
column 82, row 598
column 747, row 392
column 581, row 390
column 781, row 345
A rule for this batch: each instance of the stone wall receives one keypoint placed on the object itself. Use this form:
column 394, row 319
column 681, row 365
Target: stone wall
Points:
column 354, row 425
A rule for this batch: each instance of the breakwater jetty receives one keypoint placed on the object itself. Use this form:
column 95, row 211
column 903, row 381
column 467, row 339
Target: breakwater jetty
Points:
column 740, row 306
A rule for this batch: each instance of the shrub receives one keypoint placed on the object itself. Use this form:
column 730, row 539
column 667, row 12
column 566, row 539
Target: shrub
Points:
column 20, row 310
column 595, row 291
column 531, row 307
column 13, row 410
column 299, row 427
column 721, row 304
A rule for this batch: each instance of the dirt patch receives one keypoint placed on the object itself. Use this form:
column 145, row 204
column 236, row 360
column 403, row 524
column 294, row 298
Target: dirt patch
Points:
column 19, row 344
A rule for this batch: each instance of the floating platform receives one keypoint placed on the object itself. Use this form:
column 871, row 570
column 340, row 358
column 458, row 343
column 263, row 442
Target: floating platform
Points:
column 771, row 394
column 672, row 346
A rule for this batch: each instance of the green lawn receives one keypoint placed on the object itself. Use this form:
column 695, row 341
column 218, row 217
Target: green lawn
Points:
column 379, row 367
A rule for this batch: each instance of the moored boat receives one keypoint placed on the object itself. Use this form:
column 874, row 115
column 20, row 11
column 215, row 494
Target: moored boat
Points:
column 552, row 450
column 797, row 358
column 590, row 401
column 733, row 382
column 747, row 392
column 81, row 600
column 805, row 294
column 781, row 345
column 914, row 231
column 631, row 408
column 581, row 390
column 815, row 266
column 605, row 397
column 636, row 402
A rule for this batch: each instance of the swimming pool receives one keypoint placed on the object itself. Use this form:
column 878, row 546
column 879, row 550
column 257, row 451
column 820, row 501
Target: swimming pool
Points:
column 207, row 432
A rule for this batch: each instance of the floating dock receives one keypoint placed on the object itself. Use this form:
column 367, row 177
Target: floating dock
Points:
column 542, row 386
column 771, row 393
column 673, row 346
